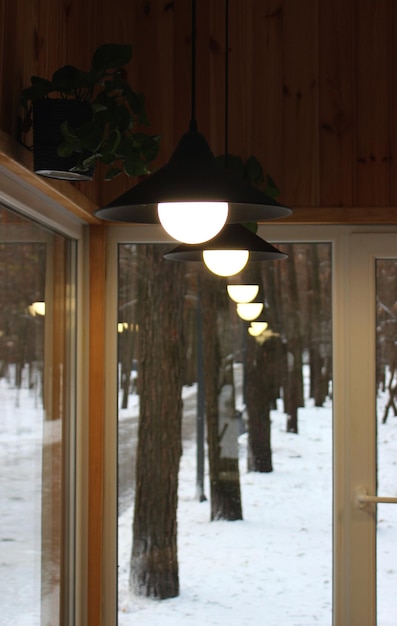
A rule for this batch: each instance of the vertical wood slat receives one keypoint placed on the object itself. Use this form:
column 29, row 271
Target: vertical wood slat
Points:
column 96, row 401
column 299, row 110
column 336, row 103
column 256, row 83
column 374, row 74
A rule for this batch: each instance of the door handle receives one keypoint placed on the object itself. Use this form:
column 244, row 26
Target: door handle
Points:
column 363, row 498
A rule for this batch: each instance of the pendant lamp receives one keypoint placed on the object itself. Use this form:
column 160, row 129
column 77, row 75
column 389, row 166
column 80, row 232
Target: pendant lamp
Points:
column 257, row 328
column 233, row 237
column 249, row 311
column 190, row 180
column 242, row 293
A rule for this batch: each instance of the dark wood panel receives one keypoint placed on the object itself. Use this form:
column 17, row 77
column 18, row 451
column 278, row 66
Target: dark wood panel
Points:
column 312, row 93
column 374, row 76
column 299, row 111
column 336, row 103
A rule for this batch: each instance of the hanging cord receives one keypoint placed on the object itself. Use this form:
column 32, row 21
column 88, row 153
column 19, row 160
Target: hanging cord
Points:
column 193, row 122
column 226, row 81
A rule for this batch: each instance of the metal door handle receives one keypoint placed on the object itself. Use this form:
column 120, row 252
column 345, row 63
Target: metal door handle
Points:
column 363, row 498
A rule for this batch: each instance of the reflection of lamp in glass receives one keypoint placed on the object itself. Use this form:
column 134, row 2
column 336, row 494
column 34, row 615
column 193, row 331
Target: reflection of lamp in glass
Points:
column 233, row 238
column 257, row 328
column 249, row 311
column 242, row 293
column 37, row 308
column 225, row 262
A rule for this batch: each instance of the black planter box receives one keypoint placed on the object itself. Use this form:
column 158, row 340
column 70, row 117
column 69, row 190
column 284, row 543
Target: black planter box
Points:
column 48, row 116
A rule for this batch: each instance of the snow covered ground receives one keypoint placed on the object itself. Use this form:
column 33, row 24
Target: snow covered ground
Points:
column 273, row 568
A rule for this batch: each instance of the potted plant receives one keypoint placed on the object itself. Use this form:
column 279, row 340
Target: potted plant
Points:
column 81, row 117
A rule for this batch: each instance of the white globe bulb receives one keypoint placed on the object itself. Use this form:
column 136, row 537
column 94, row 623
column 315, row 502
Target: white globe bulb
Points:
column 257, row 328
column 225, row 262
column 249, row 310
column 193, row 222
column 242, row 293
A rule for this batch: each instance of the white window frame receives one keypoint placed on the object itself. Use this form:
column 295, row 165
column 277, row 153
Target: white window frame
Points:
column 348, row 606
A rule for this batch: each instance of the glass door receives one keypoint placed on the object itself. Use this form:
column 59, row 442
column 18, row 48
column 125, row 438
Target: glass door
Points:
column 273, row 418
column 371, row 444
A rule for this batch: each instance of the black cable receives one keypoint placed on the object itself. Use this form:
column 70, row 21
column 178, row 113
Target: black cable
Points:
column 193, row 122
column 226, row 81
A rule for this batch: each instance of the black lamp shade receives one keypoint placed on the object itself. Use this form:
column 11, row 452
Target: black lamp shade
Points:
column 232, row 237
column 192, row 174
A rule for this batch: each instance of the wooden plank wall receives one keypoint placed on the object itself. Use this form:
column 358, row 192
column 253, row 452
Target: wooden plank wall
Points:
column 311, row 85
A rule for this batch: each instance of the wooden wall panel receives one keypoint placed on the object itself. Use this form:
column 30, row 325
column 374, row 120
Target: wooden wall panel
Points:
column 374, row 74
column 256, row 83
column 299, row 183
column 312, row 86
column 336, row 70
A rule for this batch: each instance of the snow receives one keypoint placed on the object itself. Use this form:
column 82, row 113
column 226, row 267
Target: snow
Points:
column 275, row 564
column 272, row 568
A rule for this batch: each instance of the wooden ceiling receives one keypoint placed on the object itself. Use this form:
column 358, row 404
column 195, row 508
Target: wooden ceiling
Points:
column 312, row 87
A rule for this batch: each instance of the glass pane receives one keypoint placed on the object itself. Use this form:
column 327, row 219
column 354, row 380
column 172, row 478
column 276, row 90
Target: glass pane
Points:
column 36, row 412
column 268, row 404
column 386, row 296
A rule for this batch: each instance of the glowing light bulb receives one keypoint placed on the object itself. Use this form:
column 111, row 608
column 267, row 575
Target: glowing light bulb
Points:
column 249, row 310
column 225, row 262
column 257, row 328
column 242, row 293
column 37, row 308
column 193, row 222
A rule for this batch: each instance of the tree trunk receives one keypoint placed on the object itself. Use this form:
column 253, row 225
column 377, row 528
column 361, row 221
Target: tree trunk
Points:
column 293, row 392
column 154, row 563
column 260, row 400
column 222, row 420
column 317, row 386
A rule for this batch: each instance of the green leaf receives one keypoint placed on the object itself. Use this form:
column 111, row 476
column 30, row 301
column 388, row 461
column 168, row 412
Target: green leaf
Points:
column 271, row 188
column 252, row 226
column 65, row 149
column 69, row 80
column 150, row 147
column 113, row 141
column 137, row 104
column 68, row 133
column 112, row 173
column 90, row 136
column 120, row 118
column 254, row 171
column 133, row 165
column 110, row 56
column 89, row 161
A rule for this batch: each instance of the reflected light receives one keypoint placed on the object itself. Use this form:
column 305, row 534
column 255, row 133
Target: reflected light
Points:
column 37, row 308
column 225, row 262
column 257, row 328
column 249, row 310
column 242, row 293
column 193, row 222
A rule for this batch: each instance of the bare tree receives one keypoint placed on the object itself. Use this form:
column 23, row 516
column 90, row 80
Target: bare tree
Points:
column 154, row 562
column 222, row 421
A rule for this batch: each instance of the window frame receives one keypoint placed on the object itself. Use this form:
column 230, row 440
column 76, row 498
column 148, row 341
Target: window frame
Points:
column 340, row 237
column 34, row 205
